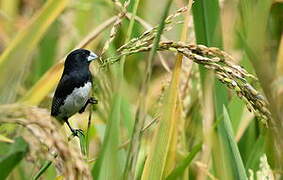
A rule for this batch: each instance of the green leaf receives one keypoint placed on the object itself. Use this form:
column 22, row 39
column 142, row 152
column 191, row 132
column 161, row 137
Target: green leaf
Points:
column 230, row 147
column 82, row 142
column 181, row 167
column 256, row 152
column 107, row 165
column 207, row 26
column 207, row 23
column 130, row 167
column 127, row 117
column 156, row 162
column 15, row 154
column 236, row 109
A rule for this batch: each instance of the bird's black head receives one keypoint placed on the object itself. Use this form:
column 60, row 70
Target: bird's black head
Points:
column 79, row 58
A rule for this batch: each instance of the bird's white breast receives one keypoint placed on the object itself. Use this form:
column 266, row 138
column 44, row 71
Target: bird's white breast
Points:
column 76, row 100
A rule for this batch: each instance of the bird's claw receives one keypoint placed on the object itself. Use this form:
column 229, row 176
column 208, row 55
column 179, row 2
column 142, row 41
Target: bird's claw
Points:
column 92, row 100
column 76, row 132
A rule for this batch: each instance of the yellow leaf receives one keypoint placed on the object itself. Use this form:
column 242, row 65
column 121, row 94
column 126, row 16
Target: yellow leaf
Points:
column 59, row 178
column 161, row 158
column 280, row 58
column 44, row 85
column 5, row 139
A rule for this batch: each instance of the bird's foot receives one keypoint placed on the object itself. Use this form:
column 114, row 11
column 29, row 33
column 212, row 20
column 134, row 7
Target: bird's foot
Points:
column 92, row 100
column 76, row 133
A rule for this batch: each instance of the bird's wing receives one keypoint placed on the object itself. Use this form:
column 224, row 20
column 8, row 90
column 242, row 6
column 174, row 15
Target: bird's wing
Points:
column 56, row 103
column 63, row 89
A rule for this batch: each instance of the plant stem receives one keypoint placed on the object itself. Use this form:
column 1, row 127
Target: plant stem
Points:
column 141, row 110
column 42, row 170
column 44, row 167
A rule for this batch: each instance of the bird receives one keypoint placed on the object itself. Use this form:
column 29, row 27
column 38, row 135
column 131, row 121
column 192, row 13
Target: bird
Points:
column 72, row 94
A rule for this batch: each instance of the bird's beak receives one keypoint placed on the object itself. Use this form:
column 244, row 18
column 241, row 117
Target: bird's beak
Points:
column 91, row 57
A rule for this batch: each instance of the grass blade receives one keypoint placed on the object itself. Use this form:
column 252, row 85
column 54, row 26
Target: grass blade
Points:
column 207, row 23
column 255, row 154
column 174, row 92
column 208, row 32
column 140, row 115
column 82, row 139
column 42, row 170
column 156, row 162
column 159, row 158
column 106, row 166
column 5, row 139
column 230, row 146
column 207, row 27
column 181, row 167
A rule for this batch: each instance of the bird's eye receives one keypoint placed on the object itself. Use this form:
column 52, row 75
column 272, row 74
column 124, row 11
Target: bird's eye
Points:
column 84, row 55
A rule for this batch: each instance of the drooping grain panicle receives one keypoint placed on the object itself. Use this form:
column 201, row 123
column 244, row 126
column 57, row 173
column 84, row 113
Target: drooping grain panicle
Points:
column 44, row 129
column 233, row 76
column 149, row 35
